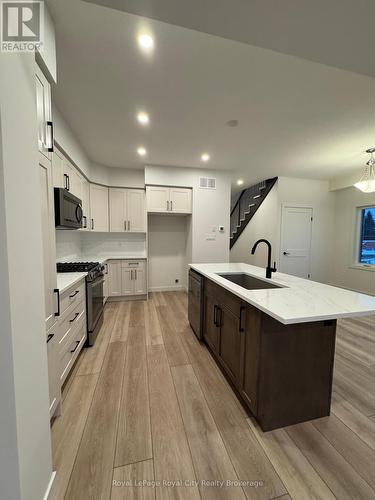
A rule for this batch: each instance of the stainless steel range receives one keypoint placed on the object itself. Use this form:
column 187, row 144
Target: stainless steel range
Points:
column 94, row 293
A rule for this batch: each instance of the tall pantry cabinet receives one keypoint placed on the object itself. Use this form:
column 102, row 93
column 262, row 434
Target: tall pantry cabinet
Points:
column 51, row 296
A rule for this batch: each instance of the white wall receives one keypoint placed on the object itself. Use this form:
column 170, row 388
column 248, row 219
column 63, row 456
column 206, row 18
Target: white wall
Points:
column 211, row 208
column 25, row 447
column 344, row 274
column 68, row 142
column 267, row 222
column 101, row 174
column 167, row 239
column 314, row 194
column 264, row 224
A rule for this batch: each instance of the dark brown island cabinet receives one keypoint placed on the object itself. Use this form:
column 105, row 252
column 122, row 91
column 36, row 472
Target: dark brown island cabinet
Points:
column 281, row 373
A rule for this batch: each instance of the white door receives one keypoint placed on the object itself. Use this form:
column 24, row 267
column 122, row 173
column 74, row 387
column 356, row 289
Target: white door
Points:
column 44, row 114
column 295, row 248
column 180, row 200
column 139, row 281
column 48, row 240
column 157, row 199
column 85, row 196
column 127, row 280
column 72, row 179
column 99, row 208
column 114, row 278
column 117, row 210
column 136, row 214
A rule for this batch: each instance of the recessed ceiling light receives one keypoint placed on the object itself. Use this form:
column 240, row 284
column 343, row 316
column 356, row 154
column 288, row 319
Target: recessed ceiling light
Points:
column 141, row 151
column 143, row 118
column 146, row 42
column 205, row 157
column 240, row 182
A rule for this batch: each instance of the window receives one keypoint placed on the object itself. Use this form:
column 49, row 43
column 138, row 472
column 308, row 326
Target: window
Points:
column 366, row 253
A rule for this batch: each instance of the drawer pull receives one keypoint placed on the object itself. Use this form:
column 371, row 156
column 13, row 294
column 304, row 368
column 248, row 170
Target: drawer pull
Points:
column 50, row 336
column 73, row 294
column 56, row 290
column 77, row 344
column 75, row 317
column 242, row 308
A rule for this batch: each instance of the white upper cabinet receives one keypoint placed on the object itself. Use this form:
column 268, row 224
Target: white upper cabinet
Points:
column 127, row 210
column 44, row 114
column 162, row 199
column 85, row 197
column 65, row 175
column 99, row 208
column 136, row 210
column 157, row 199
column 117, row 210
column 180, row 200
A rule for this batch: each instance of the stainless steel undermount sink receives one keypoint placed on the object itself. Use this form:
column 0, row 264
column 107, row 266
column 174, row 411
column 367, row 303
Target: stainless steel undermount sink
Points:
column 247, row 281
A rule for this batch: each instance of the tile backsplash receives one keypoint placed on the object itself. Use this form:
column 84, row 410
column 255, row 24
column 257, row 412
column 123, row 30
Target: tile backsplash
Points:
column 79, row 245
column 68, row 246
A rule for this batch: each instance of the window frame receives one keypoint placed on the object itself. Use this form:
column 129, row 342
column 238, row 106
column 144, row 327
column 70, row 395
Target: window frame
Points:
column 357, row 240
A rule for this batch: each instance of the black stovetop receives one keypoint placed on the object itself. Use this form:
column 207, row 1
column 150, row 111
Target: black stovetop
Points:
column 75, row 267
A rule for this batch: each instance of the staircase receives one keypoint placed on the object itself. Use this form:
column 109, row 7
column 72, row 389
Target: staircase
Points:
column 247, row 205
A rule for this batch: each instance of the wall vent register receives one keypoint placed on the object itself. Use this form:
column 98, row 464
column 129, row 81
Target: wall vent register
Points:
column 207, row 183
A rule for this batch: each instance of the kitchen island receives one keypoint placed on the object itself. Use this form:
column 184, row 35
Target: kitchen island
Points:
column 275, row 342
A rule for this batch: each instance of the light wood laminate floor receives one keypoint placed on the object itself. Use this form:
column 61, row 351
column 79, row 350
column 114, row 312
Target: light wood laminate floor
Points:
column 146, row 414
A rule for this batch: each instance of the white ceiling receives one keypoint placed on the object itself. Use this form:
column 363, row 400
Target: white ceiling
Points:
column 296, row 117
column 334, row 32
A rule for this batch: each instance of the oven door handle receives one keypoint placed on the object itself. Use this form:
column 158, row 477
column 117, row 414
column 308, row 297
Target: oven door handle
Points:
column 96, row 282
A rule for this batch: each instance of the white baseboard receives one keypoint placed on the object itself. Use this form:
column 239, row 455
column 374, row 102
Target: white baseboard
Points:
column 172, row 288
column 50, row 493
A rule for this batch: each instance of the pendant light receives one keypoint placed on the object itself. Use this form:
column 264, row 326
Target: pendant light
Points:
column 367, row 181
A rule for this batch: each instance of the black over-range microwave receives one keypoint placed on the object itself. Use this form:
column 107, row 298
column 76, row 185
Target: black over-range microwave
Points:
column 68, row 210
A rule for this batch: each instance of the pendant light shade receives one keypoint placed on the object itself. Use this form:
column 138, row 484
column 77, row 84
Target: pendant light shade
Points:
column 367, row 181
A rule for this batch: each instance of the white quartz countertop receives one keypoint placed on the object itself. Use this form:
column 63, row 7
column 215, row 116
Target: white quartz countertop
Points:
column 66, row 280
column 299, row 300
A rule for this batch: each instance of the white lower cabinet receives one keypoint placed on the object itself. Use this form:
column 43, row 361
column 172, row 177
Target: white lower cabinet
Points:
column 71, row 333
column 127, row 278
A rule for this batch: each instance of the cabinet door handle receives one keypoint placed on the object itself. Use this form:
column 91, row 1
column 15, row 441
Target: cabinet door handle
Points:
column 242, row 308
column 125, row 225
column 67, row 182
column 57, row 291
column 219, row 317
column 135, row 274
column 167, row 205
column 75, row 348
column 50, row 145
column 172, row 206
column 50, row 336
column 75, row 317
column 84, row 222
column 129, row 225
column 215, row 315
column 92, row 224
